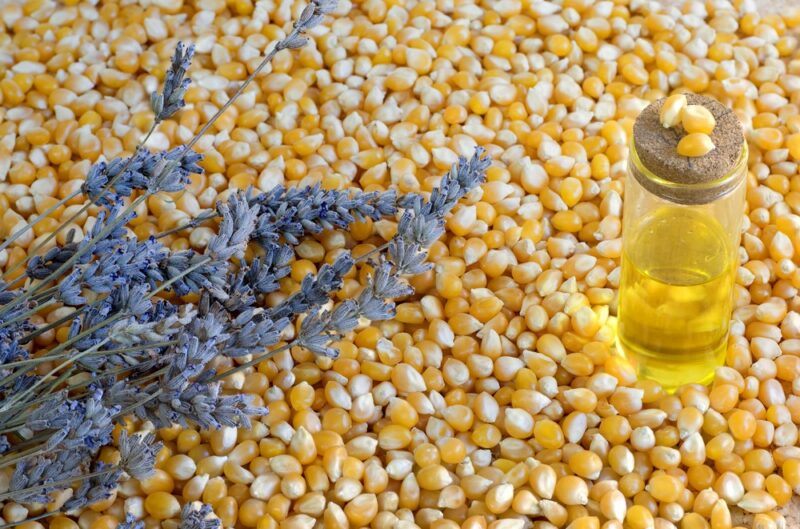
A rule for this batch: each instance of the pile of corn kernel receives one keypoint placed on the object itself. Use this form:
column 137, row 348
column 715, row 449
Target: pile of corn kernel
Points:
column 495, row 399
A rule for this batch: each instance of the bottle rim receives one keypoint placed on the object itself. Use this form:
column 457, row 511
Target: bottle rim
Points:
column 683, row 193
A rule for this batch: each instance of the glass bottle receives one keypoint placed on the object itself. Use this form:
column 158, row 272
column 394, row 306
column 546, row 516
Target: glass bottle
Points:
column 679, row 258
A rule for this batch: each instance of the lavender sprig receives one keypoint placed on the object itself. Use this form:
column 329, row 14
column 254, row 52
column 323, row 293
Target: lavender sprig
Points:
column 295, row 212
column 292, row 213
column 422, row 222
column 170, row 100
column 421, row 225
column 375, row 301
column 315, row 291
column 101, row 484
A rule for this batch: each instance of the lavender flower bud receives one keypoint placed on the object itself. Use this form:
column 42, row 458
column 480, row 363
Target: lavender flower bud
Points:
column 138, row 454
column 238, row 222
column 314, row 334
column 294, row 42
column 69, row 290
column 170, row 100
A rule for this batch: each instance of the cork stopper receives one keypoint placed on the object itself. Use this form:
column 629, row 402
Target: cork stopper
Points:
column 682, row 179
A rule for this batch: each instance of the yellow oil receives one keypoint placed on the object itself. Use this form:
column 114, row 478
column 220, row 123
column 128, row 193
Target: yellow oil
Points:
column 675, row 297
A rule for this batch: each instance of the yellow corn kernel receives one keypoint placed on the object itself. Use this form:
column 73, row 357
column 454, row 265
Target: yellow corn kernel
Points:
column 697, row 119
column 638, row 517
column 664, row 487
column 162, row 505
column 434, row 477
column 586, row 464
column 695, row 144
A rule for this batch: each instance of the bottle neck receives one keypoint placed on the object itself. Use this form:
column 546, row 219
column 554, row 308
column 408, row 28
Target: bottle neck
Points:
column 687, row 194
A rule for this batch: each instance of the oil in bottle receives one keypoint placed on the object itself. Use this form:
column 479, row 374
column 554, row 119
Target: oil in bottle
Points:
column 675, row 296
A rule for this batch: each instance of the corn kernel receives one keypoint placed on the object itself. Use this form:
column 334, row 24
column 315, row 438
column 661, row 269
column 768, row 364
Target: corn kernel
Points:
column 697, row 119
column 695, row 144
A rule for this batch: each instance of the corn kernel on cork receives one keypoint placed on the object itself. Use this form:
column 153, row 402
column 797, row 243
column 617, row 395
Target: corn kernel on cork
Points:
column 672, row 110
column 697, row 119
column 674, row 156
column 695, row 144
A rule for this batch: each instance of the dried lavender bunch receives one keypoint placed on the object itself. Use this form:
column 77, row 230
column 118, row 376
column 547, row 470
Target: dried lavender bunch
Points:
column 131, row 351
column 110, row 279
